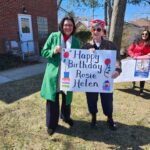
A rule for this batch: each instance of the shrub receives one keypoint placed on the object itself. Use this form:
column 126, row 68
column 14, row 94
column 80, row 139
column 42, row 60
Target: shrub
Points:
column 83, row 36
column 8, row 61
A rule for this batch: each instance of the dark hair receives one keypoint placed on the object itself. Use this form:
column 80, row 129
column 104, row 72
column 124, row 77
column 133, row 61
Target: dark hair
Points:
column 138, row 39
column 62, row 24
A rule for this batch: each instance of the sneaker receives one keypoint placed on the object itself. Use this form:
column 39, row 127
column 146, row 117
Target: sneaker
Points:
column 111, row 124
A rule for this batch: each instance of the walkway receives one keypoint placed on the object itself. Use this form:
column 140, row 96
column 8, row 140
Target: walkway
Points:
column 21, row 73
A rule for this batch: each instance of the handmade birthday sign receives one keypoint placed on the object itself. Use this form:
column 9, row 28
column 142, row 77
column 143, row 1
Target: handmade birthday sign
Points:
column 85, row 71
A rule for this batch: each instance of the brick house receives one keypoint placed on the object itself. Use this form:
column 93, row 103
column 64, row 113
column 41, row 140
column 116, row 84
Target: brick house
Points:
column 26, row 23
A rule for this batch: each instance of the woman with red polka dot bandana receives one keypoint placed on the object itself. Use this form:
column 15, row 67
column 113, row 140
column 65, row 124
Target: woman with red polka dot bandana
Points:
column 99, row 43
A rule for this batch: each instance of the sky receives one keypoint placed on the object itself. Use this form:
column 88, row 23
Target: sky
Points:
column 133, row 12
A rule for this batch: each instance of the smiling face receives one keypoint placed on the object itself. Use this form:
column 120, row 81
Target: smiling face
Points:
column 97, row 32
column 68, row 27
column 145, row 35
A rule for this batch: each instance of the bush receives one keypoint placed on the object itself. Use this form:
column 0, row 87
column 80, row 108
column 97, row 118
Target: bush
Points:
column 83, row 36
column 8, row 61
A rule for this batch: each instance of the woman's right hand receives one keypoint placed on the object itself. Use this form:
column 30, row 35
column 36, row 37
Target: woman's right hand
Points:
column 57, row 49
column 134, row 57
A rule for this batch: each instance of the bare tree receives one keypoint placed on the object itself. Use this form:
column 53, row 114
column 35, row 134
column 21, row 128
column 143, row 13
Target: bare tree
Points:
column 105, row 12
column 108, row 12
column 59, row 3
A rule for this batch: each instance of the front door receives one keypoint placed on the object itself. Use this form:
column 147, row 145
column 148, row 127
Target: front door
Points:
column 25, row 33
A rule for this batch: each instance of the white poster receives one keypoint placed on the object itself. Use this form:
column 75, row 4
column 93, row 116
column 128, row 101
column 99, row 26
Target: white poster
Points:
column 142, row 68
column 134, row 70
column 85, row 71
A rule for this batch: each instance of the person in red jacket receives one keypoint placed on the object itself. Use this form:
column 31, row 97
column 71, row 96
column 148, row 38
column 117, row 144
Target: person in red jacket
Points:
column 140, row 48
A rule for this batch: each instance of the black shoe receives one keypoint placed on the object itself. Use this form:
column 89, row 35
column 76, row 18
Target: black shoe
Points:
column 141, row 93
column 133, row 85
column 111, row 124
column 93, row 121
column 50, row 131
column 69, row 121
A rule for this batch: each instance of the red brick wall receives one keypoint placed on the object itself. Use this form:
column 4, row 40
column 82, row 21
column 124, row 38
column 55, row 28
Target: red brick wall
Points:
column 9, row 10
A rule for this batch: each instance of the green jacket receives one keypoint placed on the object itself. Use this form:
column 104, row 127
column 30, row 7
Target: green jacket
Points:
column 49, row 85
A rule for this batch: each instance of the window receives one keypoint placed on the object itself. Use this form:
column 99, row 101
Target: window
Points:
column 42, row 27
column 25, row 25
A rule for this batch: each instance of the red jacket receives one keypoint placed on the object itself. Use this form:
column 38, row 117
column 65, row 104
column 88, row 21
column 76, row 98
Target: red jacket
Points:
column 139, row 49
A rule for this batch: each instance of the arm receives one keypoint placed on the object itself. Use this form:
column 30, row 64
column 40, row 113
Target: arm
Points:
column 118, row 69
column 144, row 56
column 47, row 51
column 131, row 50
column 118, row 61
column 50, row 47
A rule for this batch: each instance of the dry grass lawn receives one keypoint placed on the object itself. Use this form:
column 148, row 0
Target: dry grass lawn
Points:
column 22, row 120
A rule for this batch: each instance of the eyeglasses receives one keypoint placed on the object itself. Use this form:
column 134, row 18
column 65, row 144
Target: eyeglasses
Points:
column 98, row 29
column 145, row 34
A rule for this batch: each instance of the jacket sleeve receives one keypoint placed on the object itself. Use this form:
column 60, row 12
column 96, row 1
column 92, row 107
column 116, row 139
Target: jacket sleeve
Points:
column 48, row 50
column 131, row 50
column 118, row 61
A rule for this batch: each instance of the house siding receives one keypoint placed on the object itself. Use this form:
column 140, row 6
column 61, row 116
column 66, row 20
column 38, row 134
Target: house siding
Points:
column 9, row 10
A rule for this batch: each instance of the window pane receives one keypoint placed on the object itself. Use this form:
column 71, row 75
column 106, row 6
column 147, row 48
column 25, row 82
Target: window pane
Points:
column 42, row 27
column 25, row 25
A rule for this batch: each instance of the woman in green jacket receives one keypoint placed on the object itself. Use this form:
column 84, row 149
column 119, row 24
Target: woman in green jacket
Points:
column 50, row 86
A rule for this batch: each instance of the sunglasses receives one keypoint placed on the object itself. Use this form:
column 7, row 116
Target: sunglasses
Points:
column 144, row 33
column 98, row 29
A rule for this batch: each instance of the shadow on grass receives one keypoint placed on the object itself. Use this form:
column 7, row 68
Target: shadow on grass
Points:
column 136, row 92
column 13, row 91
column 125, row 137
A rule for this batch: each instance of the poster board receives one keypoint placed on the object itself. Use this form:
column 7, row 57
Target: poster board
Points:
column 85, row 71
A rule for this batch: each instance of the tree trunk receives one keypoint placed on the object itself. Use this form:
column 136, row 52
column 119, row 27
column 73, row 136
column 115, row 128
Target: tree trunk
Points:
column 105, row 11
column 117, row 22
column 109, row 14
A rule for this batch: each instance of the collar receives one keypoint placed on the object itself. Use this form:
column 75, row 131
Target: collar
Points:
column 66, row 37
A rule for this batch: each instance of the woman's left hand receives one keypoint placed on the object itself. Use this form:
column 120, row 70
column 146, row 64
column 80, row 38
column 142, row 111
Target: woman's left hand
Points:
column 115, row 74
